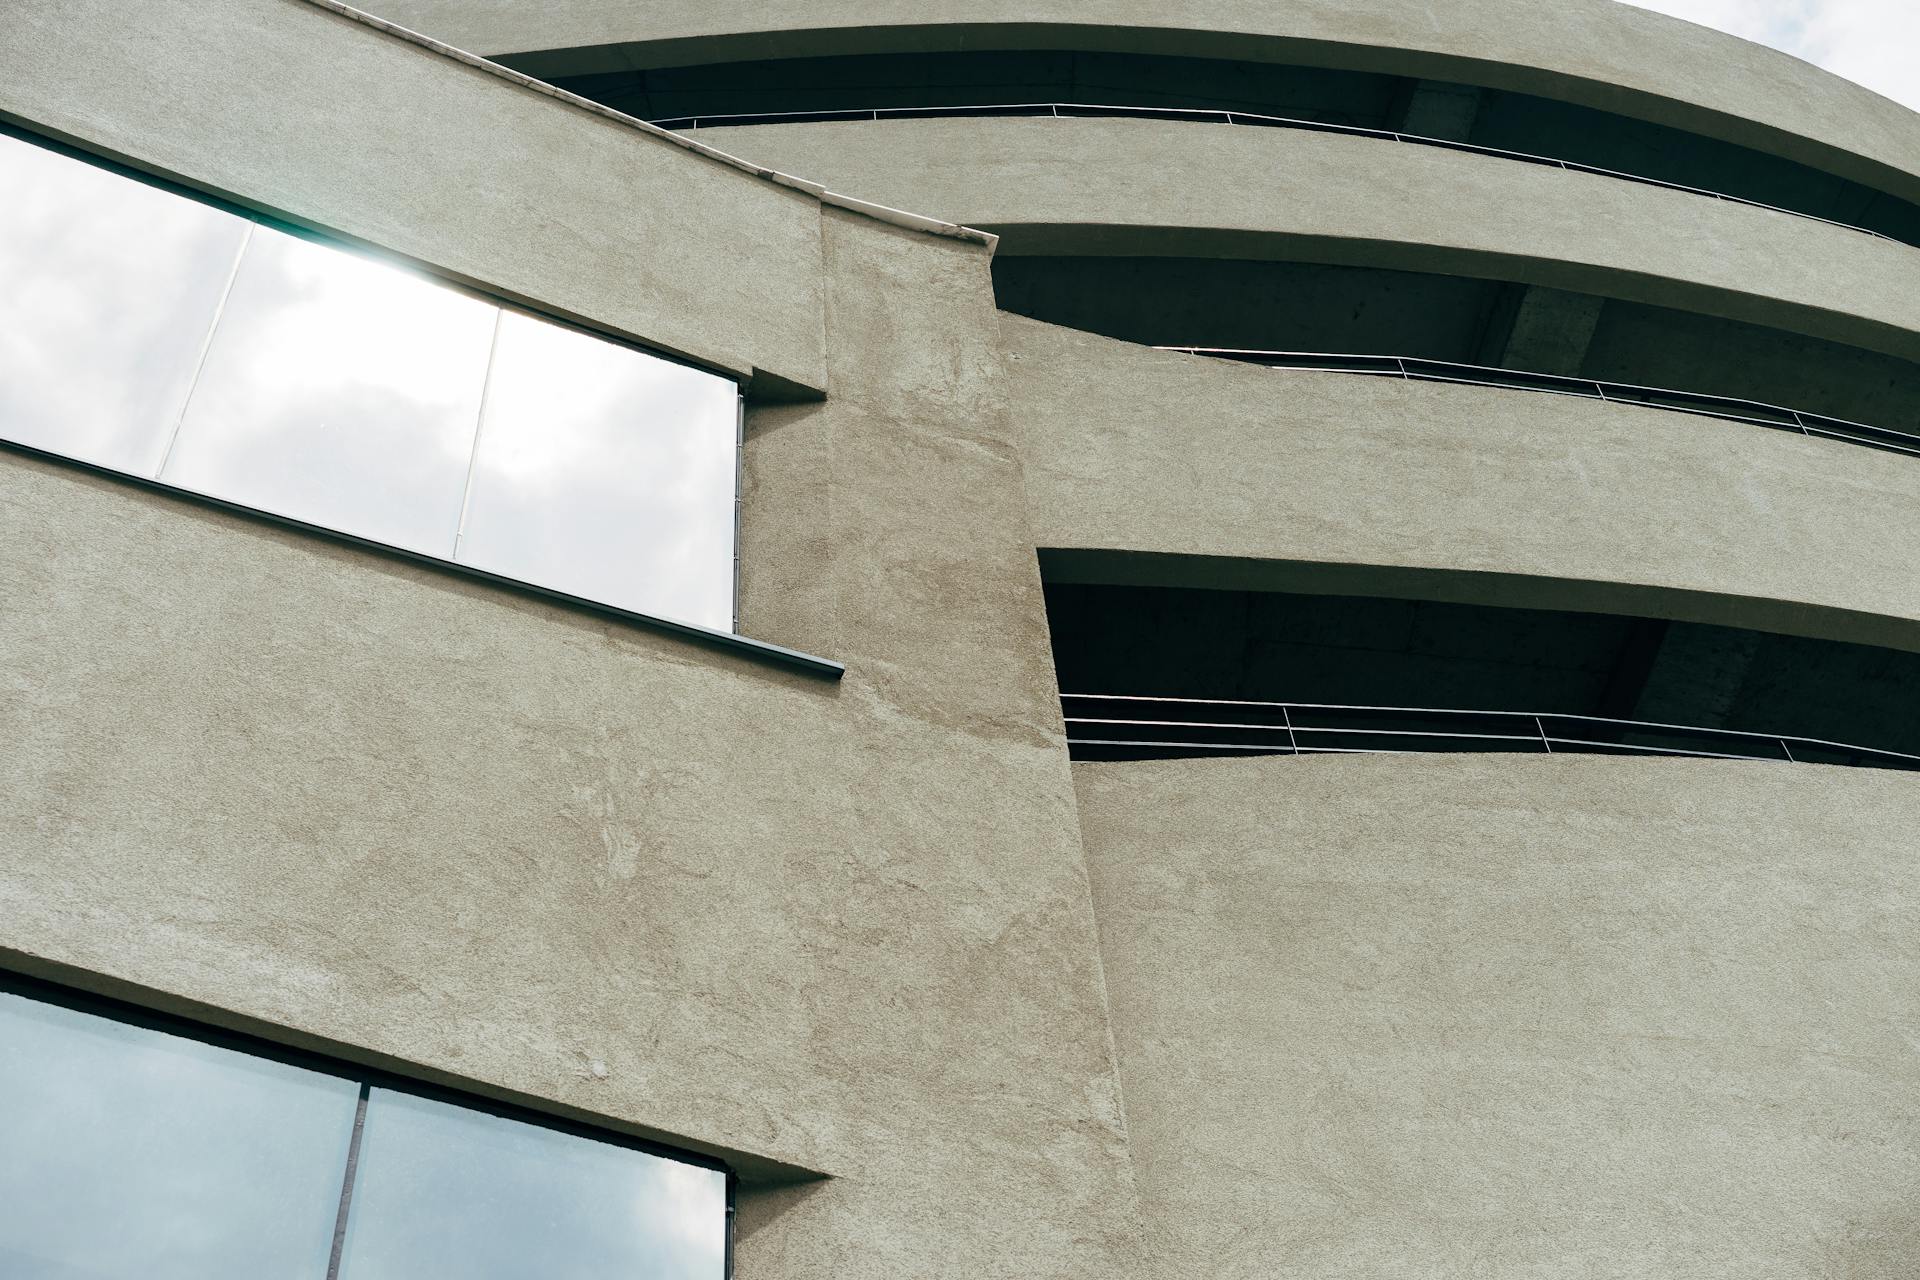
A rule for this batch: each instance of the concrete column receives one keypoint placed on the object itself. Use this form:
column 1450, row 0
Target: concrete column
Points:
column 1542, row 330
column 1697, row 675
column 1435, row 109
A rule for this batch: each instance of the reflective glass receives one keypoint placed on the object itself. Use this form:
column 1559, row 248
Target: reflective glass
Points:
column 154, row 334
column 339, row 391
column 108, row 289
column 445, row 1191
column 606, row 473
column 127, row 1152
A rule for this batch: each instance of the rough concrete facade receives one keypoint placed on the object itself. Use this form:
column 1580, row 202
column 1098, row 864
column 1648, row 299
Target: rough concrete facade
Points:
column 949, row 1005
column 1115, row 187
column 1155, row 466
column 1466, row 1016
column 1596, row 52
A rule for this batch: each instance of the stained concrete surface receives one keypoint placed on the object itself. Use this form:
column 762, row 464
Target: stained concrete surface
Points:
column 839, row 934
column 1499, row 1016
column 1596, row 53
column 337, row 126
column 1520, row 498
column 1130, row 187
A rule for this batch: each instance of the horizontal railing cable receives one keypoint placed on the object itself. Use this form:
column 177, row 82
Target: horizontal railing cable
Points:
column 1201, row 115
column 1129, row 726
column 1414, row 369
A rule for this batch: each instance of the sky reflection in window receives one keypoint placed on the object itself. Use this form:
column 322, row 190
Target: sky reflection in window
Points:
column 127, row 1152
column 448, row 1191
column 150, row 333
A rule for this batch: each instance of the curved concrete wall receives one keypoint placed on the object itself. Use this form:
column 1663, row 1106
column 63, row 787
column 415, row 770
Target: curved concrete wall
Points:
column 1117, row 187
column 1179, row 470
column 1499, row 1016
column 1596, row 52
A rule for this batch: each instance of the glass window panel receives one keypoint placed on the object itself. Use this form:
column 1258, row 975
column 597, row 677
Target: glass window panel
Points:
column 339, row 391
column 606, row 473
column 108, row 289
column 128, row 1152
column 445, row 1191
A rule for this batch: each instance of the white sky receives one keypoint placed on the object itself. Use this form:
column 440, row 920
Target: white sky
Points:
column 1876, row 42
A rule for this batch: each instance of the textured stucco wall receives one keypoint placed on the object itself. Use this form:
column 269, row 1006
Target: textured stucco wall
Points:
column 1093, row 186
column 1482, row 1016
column 1201, row 470
column 367, row 805
column 310, row 115
column 375, row 808
column 1597, row 52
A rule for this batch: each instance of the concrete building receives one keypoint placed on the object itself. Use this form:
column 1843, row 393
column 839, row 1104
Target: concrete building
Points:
column 1034, row 640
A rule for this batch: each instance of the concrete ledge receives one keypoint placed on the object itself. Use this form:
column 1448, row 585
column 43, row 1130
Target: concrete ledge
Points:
column 1513, row 1017
column 1598, row 53
column 1153, row 467
column 1155, row 188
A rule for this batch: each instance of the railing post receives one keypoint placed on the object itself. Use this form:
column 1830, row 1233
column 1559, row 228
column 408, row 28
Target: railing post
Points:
column 1402, row 366
column 1799, row 422
column 1286, row 718
column 1542, row 730
column 1788, row 750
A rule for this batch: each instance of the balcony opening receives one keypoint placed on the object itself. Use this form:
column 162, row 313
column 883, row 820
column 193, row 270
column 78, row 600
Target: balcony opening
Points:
column 1159, row 672
column 1295, row 309
column 1001, row 81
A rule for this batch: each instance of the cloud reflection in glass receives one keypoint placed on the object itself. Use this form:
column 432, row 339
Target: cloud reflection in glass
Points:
column 157, row 335
column 448, row 1191
column 129, row 1152
column 605, row 473
column 108, row 288
column 338, row 391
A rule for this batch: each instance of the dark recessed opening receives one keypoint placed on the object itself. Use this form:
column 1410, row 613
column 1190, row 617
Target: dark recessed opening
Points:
column 1471, row 114
column 1353, row 668
column 1356, row 310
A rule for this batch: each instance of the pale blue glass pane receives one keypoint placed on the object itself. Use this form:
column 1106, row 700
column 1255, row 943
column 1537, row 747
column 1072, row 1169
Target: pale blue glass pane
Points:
column 339, row 391
column 108, row 289
column 606, row 473
column 445, row 1191
column 129, row 1154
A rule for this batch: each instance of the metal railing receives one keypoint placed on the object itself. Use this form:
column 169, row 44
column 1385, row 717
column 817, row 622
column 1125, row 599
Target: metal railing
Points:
column 1088, row 110
column 1755, row 412
column 1127, row 727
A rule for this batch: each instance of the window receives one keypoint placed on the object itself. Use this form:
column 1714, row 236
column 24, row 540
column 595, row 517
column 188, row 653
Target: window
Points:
column 159, row 336
column 131, row 1151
